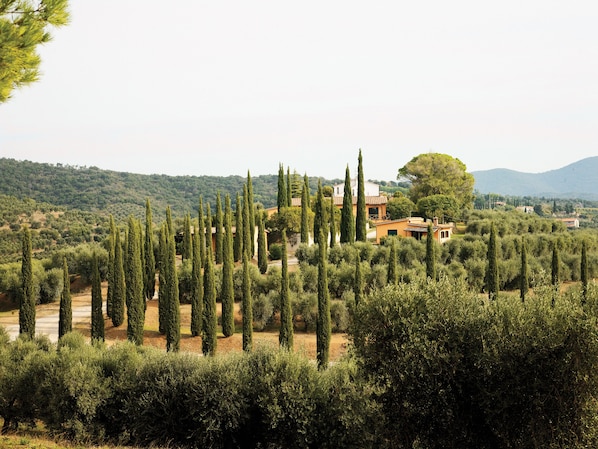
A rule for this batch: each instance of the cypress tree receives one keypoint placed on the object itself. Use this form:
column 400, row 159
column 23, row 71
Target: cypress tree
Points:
column 238, row 239
column 97, row 315
column 323, row 326
column 347, row 220
column 320, row 217
column 492, row 284
column 134, row 289
column 584, row 271
column 246, row 224
column 555, row 273
column 65, row 318
column 556, row 269
column 523, row 275
column 392, row 263
column 119, row 287
column 361, row 219
column 187, row 246
column 285, row 337
column 305, row 213
column 210, row 320
column 202, row 235
column 27, row 304
column 164, row 277
column 332, row 223
column 251, row 215
column 173, row 326
column 196, row 289
column 289, row 194
column 209, row 233
column 262, row 253
column 247, row 306
column 430, row 254
column 149, row 282
column 228, row 291
column 358, row 285
column 110, row 271
column 218, row 221
column 281, row 200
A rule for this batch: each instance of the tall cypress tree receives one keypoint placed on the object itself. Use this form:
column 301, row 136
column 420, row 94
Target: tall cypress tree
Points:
column 392, row 264
column 110, row 271
column 228, row 292
column 430, row 254
column 149, row 266
column 238, row 239
column 65, row 318
column 246, row 224
column 134, row 283
column 358, row 285
column 320, row 217
column 492, row 284
column 288, row 184
column 285, row 337
column 97, row 315
column 524, row 273
column 27, row 304
column 218, row 222
column 247, row 306
column 347, row 220
column 281, row 200
column 163, row 293
column 262, row 253
column 251, row 214
column 187, row 244
column 361, row 219
column 332, row 223
column 584, row 271
column 305, row 213
column 209, row 233
column 210, row 320
column 323, row 326
column 119, row 291
column 173, row 324
column 202, row 235
column 196, row 288
column 556, row 263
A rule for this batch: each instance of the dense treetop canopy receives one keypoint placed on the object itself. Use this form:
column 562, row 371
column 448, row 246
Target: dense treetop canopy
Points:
column 438, row 174
column 23, row 26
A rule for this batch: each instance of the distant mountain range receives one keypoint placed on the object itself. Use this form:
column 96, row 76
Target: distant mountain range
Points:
column 577, row 180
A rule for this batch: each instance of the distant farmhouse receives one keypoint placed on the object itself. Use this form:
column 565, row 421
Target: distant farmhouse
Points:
column 415, row 227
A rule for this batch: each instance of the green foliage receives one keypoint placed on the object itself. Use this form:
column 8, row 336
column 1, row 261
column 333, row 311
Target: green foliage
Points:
column 524, row 274
column 247, row 307
column 209, row 319
column 97, row 314
column 65, row 315
column 134, row 285
column 392, row 263
column 219, row 225
column 492, row 284
column 451, row 371
column 400, row 207
column 262, row 252
column 238, row 238
column 285, row 337
column 119, row 289
column 347, row 228
column 23, row 27
column 305, row 212
column 27, row 295
column 149, row 266
column 323, row 329
column 196, row 288
column 281, row 201
column 227, row 293
column 430, row 254
column 361, row 217
column 439, row 174
column 173, row 313
column 443, row 206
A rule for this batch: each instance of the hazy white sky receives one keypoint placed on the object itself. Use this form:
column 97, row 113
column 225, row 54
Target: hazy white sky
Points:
column 198, row 87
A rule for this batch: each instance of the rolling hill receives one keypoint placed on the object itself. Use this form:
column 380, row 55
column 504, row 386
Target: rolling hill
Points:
column 577, row 180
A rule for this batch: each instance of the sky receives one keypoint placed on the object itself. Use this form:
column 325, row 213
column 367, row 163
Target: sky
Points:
column 198, row 87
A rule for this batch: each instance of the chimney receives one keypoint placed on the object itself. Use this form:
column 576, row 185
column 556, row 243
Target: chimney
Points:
column 435, row 221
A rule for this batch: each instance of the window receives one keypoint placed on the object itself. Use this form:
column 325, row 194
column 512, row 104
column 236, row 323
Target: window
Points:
column 392, row 232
